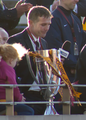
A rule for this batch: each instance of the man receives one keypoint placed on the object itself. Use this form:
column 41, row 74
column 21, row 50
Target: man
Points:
column 66, row 26
column 9, row 18
column 3, row 36
column 79, row 8
column 39, row 20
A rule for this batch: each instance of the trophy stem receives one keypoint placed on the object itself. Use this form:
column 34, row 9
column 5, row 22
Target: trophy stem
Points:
column 50, row 110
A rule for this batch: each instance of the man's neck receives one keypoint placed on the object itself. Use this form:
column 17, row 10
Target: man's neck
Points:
column 65, row 11
column 32, row 32
column 64, row 6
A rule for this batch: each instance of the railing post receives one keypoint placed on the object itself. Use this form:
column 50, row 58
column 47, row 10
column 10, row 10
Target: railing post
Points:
column 66, row 97
column 9, row 98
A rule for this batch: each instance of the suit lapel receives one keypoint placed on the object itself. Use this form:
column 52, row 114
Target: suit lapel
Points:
column 44, row 44
column 27, row 41
column 29, row 45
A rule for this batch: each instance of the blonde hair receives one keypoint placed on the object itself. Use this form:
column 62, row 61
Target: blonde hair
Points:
column 11, row 51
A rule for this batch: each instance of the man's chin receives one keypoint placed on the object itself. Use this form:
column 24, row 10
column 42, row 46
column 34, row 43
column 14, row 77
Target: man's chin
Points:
column 43, row 35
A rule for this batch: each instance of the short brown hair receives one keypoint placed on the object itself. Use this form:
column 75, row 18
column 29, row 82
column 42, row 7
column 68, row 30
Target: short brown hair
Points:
column 38, row 11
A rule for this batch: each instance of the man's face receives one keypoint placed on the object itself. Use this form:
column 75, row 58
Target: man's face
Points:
column 41, row 26
column 69, row 4
column 3, row 37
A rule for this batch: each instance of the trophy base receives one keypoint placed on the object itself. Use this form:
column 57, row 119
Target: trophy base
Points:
column 50, row 110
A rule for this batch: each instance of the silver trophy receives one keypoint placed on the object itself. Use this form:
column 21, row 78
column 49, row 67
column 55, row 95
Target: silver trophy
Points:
column 45, row 76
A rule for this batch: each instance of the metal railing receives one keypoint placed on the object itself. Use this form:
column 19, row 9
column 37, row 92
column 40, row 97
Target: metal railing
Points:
column 65, row 102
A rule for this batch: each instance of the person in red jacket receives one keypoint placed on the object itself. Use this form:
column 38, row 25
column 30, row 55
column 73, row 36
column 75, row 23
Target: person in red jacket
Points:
column 10, row 56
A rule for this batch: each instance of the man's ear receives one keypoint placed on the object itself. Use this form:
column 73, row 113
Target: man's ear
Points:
column 30, row 22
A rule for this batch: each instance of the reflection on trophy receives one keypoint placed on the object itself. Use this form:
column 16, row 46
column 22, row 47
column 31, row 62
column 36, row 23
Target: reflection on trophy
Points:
column 45, row 75
column 2, row 5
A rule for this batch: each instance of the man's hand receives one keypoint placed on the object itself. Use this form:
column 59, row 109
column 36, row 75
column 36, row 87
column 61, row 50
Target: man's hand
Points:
column 55, row 4
column 22, row 8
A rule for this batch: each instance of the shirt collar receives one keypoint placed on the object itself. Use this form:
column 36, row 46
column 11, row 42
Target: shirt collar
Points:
column 36, row 39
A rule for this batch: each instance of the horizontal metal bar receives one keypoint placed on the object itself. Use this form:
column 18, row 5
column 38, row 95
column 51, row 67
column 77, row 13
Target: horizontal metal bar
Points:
column 79, row 85
column 42, row 102
column 44, row 85
column 10, row 0
column 28, row 85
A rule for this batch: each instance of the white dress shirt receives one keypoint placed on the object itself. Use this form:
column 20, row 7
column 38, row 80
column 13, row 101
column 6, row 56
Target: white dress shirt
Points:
column 75, row 9
column 34, row 88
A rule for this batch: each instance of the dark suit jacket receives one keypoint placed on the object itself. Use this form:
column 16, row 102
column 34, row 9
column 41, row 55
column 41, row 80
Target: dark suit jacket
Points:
column 22, row 70
column 45, row 3
column 8, row 18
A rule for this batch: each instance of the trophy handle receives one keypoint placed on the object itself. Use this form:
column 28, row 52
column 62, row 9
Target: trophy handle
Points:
column 45, row 92
column 30, row 68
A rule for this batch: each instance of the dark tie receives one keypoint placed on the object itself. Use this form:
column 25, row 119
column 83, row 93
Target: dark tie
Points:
column 37, row 45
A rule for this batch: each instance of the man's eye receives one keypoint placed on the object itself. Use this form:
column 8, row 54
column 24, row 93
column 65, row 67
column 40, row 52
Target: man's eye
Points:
column 43, row 25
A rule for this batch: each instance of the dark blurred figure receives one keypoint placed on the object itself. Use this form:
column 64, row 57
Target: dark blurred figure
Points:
column 45, row 3
column 81, row 77
column 9, row 18
column 81, row 8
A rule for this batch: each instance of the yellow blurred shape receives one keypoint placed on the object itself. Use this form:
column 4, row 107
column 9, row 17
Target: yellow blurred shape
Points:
column 84, row 26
